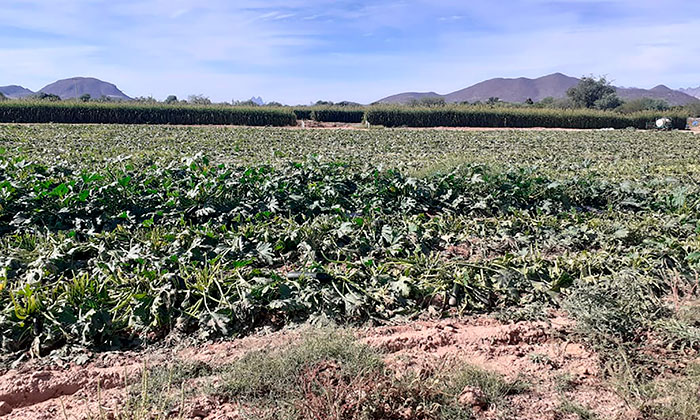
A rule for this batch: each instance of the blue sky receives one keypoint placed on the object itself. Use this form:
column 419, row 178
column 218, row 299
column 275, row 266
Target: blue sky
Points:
column 298, row 51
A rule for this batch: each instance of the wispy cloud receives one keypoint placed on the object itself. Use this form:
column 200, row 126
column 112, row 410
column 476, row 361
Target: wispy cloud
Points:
column 298, row 51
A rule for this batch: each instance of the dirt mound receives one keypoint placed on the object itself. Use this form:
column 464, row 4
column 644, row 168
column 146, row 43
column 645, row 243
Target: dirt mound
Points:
column 534, row 351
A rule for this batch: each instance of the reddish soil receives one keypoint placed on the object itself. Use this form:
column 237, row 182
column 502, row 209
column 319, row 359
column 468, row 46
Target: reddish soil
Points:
column 538, row 352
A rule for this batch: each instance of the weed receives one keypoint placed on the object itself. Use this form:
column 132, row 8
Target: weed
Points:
column 564, row 382
column 583, row 413
column 678, row 334
column 536, row 311
column 674, row 398
column 494, row 386
column 615, row 309
column 261, row 374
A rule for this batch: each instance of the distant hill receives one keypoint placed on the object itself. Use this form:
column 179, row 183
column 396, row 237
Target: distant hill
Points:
column 673, row 97
column 691, row 91
column 520, row 89
column 516, row 90
column 403, row 98
column 14, row 91
column 78, row 86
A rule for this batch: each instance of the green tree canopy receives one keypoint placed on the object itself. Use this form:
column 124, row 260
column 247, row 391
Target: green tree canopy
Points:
column 645, row 104
column 47, row 97
column 594, row 93
column 429, row 101
column 199, row 100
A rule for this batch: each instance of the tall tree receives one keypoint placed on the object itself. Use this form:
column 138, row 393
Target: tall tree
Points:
column 594, row 93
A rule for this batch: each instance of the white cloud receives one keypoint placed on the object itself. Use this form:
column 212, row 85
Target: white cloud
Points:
column 297, row 51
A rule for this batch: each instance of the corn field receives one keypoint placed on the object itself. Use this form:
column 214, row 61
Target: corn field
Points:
column 513, row 117
column 80, row 113
column 451, row 116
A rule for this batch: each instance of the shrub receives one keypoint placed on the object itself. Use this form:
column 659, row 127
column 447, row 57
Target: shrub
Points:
column 616, row 309
column 644, row 104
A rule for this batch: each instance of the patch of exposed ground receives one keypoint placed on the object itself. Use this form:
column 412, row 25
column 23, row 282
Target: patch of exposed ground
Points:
column 536, row 352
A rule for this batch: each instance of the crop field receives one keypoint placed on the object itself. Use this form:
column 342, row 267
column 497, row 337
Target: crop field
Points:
column 122, row 237
column 385, row 116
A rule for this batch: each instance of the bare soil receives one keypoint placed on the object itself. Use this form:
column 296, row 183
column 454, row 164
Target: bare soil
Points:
column 538, row 352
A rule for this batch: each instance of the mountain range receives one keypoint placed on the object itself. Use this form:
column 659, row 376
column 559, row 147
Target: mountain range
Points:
column 257, row 100
column 508, row 90
column 521, row 89
column 74, row 87
column 14, row 91
column 691, row 91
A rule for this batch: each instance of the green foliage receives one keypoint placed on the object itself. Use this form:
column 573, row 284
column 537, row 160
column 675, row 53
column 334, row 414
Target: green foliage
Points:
column 431, row 101
column 494, row 386
column 582, row 413
column 617, row 309
column 675, row 398
column 510, row 117
column 150, row 100
column 199, row 100
column 121, row 236
column 85, row 98
column 48, row 97
column 558, row 103
column 161, row 388
column 272, row 374
column 303, row 113
column 693, row 109
column 249, row 103
column 134, row 113
column 679, row 334
column 338, row 114
column 644, row 104
column 608, row 101
column 348, row 103
column 564, row 382
column 330, row 375
column 593, row 93
column 171, row 99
